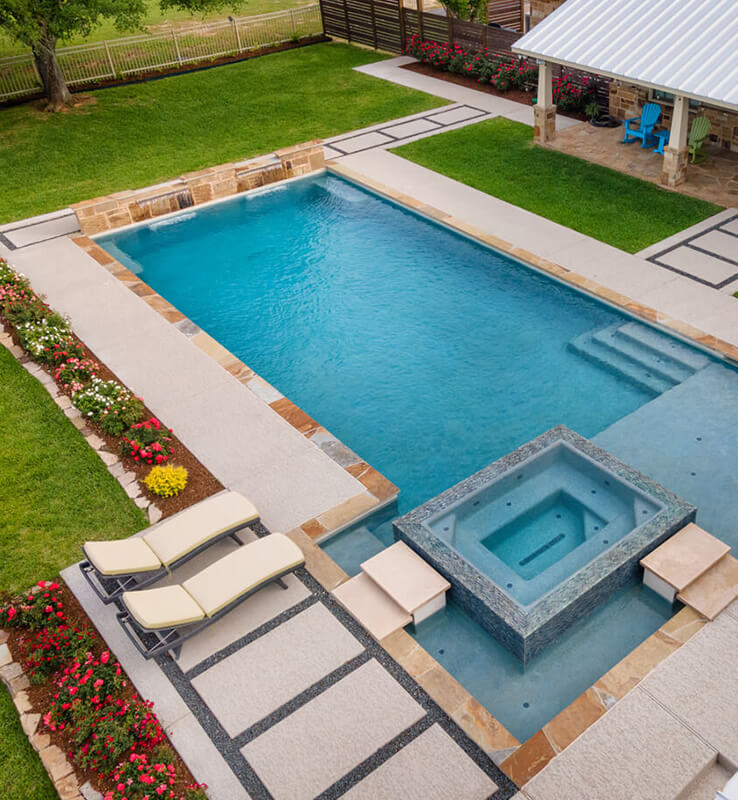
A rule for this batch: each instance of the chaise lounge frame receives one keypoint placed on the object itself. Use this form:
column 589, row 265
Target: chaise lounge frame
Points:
column 172, row 639
column 128, row 581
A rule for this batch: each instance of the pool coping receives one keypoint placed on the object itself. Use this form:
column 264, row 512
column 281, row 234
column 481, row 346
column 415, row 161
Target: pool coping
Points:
column 520, row 761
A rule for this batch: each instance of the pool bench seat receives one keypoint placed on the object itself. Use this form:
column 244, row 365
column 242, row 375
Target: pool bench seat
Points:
column 162, row 619
column 114, row 567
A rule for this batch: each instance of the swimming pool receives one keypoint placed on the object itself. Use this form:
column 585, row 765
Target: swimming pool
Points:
column 429, row 355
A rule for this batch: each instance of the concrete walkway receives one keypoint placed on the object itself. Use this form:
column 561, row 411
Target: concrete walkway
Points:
column 242, row 441
column 287, row 697
column 706, row 252
column 674, row 736
column 391, row 70
column 671, row 294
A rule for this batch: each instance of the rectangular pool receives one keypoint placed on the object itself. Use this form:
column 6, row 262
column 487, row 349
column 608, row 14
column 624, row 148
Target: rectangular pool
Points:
column 425, row 352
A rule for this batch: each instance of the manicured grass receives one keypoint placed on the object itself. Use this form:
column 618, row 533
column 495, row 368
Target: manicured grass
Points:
column 55, row 492
column 155, row 20
column 498, row 157
column 132, row 136
column 22, row 775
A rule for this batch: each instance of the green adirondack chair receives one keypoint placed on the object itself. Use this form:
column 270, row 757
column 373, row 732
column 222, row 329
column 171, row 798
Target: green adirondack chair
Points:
column 700, row 128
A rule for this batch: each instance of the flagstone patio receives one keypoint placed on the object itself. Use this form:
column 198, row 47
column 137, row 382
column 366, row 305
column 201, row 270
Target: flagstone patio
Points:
column 714, row 180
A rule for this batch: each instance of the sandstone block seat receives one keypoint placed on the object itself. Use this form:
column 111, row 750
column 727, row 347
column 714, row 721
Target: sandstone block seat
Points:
column 114, row 567
column 161, row 619
column 694, row 568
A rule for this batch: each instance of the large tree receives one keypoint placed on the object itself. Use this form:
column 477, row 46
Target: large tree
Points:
column 40, row 24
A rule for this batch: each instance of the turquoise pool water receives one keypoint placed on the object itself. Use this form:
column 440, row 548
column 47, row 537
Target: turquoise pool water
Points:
column 426, row 353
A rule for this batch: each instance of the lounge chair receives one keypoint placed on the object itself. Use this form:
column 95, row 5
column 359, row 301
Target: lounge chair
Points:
column 162, row 619
column 700, row 129
column 646, row 123
column 112, row 568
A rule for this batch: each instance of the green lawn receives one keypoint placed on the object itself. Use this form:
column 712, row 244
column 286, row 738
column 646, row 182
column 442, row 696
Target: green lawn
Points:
column 156, row 19
column 55, row 492
column 136, row 135
column 22, row 775
column 498, row 157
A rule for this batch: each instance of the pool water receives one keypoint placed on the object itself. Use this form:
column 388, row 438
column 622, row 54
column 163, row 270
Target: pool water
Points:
column 427, row 354
column 543, row 535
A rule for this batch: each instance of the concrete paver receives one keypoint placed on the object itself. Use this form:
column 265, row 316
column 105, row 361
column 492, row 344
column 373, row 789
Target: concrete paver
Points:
column 254, row 681
column 308, row 751
column 413, row 773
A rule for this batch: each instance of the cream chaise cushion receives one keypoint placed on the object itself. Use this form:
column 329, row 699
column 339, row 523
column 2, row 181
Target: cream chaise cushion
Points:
column 242, row 570
column 122, row 557
column 165, row 607
column 176, row 537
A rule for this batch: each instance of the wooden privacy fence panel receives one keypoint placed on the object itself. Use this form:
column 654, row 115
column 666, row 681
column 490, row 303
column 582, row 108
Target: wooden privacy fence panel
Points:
column 377, row 23
column 120, row 58
column 508, row 14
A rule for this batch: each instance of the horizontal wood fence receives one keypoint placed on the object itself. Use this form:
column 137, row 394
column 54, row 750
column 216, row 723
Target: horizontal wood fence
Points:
column 87, row 64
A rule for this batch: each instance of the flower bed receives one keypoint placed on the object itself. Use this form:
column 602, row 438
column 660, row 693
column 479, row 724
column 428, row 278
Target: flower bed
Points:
column 120, row 421
column 503, row 74
column 76, row 694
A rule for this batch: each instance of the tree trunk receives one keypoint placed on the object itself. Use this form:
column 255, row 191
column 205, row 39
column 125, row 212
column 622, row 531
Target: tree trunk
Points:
column 57, row 93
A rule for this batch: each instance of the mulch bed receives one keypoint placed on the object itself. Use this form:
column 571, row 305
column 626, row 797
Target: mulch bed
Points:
column 516, row 95
column 41, row 696
column 201, row 483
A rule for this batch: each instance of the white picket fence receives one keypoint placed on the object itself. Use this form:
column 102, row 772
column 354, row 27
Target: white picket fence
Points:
column 125, row 57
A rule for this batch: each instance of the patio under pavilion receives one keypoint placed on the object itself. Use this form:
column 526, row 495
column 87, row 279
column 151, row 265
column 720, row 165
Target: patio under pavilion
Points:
column 682, row 54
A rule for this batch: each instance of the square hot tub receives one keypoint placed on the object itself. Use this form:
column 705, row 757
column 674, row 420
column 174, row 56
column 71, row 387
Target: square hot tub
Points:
column 536, row 540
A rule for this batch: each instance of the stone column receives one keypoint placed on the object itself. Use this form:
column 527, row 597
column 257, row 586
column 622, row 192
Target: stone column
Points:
column 676, row 153
column 544, row 114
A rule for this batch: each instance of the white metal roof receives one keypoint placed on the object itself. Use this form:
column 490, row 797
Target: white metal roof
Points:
column 687, row 47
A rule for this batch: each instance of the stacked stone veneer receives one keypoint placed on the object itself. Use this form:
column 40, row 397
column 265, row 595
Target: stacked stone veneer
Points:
column 124, row 208
column 627, row 100
column 540, row 9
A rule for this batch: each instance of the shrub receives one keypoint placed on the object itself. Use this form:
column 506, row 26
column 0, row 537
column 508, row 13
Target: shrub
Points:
column 141, row 777
column 167, row 481
column 51, row 648
column 148, row 441
column 20, row 304
column 47, row 341
column 9, row 277
column 570, row 96
column 110, row 404
column 37, row 610
column 524, row 75
column 73, row 373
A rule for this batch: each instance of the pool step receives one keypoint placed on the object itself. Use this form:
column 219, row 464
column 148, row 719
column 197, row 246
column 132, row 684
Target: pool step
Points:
column 394, row 588
column 695, row 568
column 371, row 606
column 713, row 591
column 649, row 359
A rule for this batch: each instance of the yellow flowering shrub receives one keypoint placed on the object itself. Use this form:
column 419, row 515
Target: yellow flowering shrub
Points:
column 167, row 480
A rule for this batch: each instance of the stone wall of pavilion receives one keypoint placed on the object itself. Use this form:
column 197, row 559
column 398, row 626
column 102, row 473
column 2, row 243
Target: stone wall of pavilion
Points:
column 627, row 100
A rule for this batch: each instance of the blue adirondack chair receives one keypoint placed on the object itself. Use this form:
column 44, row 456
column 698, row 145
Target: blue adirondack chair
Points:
column 646, row 123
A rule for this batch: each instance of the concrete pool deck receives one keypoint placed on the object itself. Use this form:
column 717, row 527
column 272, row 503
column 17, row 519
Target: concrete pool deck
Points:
column 674, row 736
